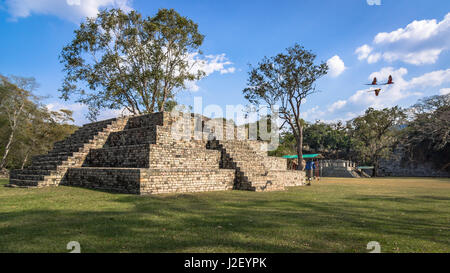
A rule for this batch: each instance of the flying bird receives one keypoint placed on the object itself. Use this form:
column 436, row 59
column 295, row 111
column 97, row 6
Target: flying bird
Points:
column 377, row 91
column 374, row 82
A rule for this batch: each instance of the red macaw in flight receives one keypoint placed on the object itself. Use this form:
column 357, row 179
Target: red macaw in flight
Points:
column 374, row 82
column 378, row 90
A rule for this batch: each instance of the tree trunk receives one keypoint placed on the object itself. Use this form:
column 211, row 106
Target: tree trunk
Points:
column 299, row 147
column 7, row 148
column 25, row 160
column 375, row 169
column 161, row 107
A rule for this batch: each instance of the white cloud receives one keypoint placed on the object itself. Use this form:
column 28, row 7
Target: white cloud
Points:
column 428, row 56
column 337, row 105
column 390, row 95
column 415, row 31
column 72, row 10
column 313, row 113
column 209, row 64
column 336, row 66
column 213, row 63
column 432, row 79
column 373, row 2
column 363, row 52
column 373, row 58
column 401, row 89
column 420, row 42
column 444, row 91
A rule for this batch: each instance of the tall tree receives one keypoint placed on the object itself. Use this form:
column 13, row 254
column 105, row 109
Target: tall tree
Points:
column 15, row 104
column 27, row 127
column 427, row 136
column 285, row 80
column 375, row 133
column 130, row 62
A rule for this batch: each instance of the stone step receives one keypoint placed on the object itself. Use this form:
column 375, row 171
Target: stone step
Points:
column 249, row 169
column 76, row 147
column 147, row 120
column 82, row 134
column 34, row 172
column 99, row 123
column 131, row 156
column 27, row 177
column 75, row 141
column 35, row 160
column 67, row 148
column 72, row 142
column 23, row 183
column 42, row 167
column 54, row 153
column 48, row 169
column 48, row 162
column 133, row 136
column 252, row 174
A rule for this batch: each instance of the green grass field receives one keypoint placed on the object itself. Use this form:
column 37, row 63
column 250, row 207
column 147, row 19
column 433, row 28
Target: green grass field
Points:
column 333, row 215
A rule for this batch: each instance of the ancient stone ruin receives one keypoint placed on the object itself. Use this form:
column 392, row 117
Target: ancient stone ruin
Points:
column 147, row 154
column 340, row 168
column 398, row 164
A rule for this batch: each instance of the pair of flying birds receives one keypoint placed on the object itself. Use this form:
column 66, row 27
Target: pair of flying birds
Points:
column 374, row 83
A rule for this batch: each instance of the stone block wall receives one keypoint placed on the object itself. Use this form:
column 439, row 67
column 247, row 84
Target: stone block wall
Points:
column 134, row 136
column 170, row 157
column 147, row 154
column 275, row 163
column 131, row 156
column 291, row 178
column 122, row 180
column 173, row 181
column 397, row 165
column 147, row 120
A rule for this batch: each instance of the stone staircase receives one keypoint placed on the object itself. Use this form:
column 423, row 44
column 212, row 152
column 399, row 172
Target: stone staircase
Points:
column 50, row 169
column 339, row 168
column 251, row 171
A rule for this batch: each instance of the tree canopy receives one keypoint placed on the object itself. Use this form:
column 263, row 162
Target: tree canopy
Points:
column 27, row 128
column 285, row 80
column 125, row 61
column 427, row 136
column 375, row 133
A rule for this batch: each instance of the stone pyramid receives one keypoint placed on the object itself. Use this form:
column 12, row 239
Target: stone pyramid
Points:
column 148, row 154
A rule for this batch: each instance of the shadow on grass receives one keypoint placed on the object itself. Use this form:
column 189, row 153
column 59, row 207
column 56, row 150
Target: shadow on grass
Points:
column 154, row 225
column 228, row 222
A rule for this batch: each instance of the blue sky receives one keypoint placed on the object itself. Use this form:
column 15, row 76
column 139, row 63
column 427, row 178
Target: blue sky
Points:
column 408, row 39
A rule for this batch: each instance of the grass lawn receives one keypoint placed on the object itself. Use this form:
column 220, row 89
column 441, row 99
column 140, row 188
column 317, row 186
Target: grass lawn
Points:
column 333, row 215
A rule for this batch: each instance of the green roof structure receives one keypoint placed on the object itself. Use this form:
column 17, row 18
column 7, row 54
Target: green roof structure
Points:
column 304, row 156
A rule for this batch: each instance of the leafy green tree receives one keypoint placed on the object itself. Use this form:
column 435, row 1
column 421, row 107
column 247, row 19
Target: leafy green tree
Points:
column 286, row 146
column 375, row 133
column 285, row 80
column 130, row 62
column 43, row 128
column 427, row 136
column 327, row 138
column 27, row 128
column 16, row 103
